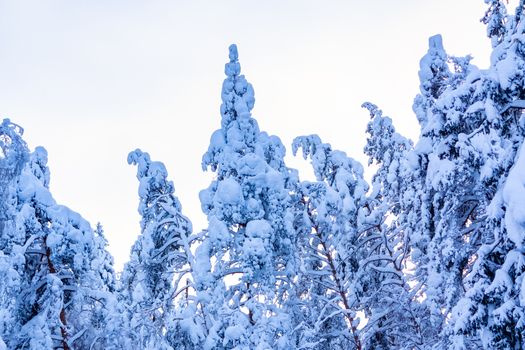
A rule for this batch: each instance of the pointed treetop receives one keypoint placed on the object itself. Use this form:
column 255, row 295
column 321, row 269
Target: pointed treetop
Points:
column 233, row 68
column 433, row 68
column 436, row 42
column 234, row 55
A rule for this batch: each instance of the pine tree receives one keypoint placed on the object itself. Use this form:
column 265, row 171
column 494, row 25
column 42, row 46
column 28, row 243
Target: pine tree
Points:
column 329, row 230
column 441, row 196
column 431, row 257
column 51, row 250
column 395, row 318
column 107, row 315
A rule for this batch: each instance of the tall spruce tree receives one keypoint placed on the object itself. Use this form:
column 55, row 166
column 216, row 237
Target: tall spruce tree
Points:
column 250, row 239
column 446, row 199
column 491, row 313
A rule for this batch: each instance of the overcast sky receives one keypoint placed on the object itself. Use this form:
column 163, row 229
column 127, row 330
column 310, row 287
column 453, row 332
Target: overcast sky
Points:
column 92, row 80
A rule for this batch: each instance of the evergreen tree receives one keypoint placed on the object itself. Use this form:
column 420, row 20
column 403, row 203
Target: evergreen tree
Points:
column 13, row 156
column 395, row 318
column 250, row 240
column 471, row 132
column 104, row 261
column 491, row 312
column 157, row 257
column 107, row 314
column 51, row 252
column 496, row 20
column 431, row 257
column 352, row 259
column 329, row 223
column 442, row 196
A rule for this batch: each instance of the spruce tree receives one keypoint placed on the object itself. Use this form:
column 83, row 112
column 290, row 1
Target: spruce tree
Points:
column 152, row 277
column 249, row 242
column 13, row 156
column 491, row 312
column 51, row 249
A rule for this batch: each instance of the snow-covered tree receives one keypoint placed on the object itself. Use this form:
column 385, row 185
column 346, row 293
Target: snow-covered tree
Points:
column 432, row 256
column 395, row 318
column 434, row 74
column 352, row 259
column 249, row 243
column 104, row 261
column 13, row 156
column 108, row 314
column 496, row 20
column 51, row 250
column 471, row 132
column 152, row 279
column 329, row 225
column 492, row 309
column 435, row 199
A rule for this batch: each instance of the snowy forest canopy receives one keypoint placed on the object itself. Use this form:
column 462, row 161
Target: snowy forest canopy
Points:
column 429, row 255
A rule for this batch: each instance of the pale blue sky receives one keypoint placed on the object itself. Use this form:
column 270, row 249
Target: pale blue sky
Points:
column 92, row 80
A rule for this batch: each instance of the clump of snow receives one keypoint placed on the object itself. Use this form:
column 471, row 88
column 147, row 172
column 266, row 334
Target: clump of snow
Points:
column 435, row 44
column 439, row 170
column 53, row 240
column 233, row 67
column 233, row 333
column 228, row 192
column 514, row 199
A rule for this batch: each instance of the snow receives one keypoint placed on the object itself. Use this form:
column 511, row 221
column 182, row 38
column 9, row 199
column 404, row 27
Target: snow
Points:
column 31, row 189
column 251, row 164
column 476, row 107
column 432, row 255
column 506, row 71
column 423, row 146
column 439, row 170
column 233, row 68
column 138, row 293
column 254, row 247
column 218, row 231
column 217, row 139
column 53, row 240
column 514, row 200
column 228, row 192
column 232, row 333
column 435, row 44
column 259, row 228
